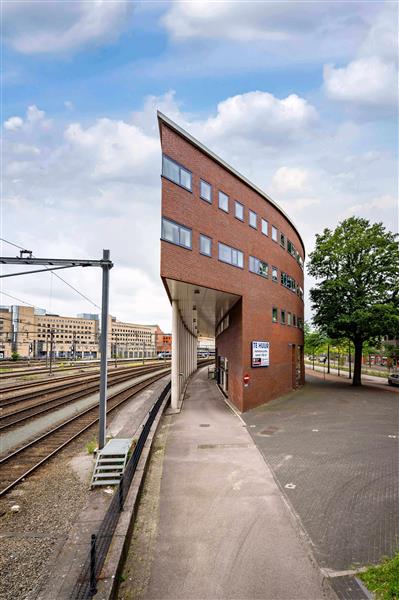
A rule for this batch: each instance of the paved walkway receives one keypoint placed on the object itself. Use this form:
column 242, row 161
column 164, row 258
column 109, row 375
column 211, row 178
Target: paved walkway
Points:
column 334, row 451
column 224, row 530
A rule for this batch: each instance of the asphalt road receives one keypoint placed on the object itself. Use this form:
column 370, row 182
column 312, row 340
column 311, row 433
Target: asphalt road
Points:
column 333, row 450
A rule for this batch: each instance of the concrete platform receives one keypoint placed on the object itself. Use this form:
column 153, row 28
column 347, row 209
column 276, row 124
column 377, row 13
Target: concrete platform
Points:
column 225, row 531
column 333, row 449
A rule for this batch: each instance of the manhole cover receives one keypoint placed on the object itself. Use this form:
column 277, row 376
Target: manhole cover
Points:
column 204, row 425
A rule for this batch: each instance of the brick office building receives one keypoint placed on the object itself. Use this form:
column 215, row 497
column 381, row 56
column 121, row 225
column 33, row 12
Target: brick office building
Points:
column 232, row 265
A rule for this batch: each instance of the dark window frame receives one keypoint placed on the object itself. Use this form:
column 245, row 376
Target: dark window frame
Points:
column 202, row 197
column 202, row 235
column 257, row 272
column 252, row 212
column 227, row 262
column 274, row 320
column 243, row 211
column 180, row 225
column 228, row 202
column 190, row 189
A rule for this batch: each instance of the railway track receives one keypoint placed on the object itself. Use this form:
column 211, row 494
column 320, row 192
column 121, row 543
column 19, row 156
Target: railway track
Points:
column 22, row 462
column 21, row 372
column 14, row 394
column 42, row 402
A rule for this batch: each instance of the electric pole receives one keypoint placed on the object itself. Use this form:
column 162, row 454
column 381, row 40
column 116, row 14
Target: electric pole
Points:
column 51, row 349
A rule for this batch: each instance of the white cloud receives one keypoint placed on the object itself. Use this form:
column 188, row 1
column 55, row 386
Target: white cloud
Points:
column 13, row 123
column 248, row 22
column 52, row 27
column 290, row 179
column 258, row 118
column 366, row 81
column 34, row 117
column 370, row 79
column 115, row 149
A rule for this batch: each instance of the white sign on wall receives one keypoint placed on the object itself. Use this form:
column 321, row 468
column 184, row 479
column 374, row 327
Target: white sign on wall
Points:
column 260, row 354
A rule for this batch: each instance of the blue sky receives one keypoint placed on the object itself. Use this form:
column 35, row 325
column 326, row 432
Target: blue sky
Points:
column 299, row 96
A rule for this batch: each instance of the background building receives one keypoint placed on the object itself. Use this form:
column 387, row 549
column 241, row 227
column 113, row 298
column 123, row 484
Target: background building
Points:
column 31, row 332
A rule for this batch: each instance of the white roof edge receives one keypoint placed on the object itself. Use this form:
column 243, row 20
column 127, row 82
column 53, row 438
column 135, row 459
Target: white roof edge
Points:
column 228, row 167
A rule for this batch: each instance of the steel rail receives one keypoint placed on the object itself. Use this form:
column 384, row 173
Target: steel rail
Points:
column 44, row 387
column 113, row 403
column 34, row 371
column 82, row 390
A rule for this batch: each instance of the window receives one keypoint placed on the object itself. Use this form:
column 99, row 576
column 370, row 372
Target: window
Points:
column 205, row 245
column 274, row 274
column 294, row 320
column 274, row 233
column 290, row 248
column 282, row 317
column 231, row 255
column 274, row 314
column 175, row 233
column 239, row 211
column 206, row 191
column 289, row 318
column 258, row 266
column 282, row 240
column 253, row 219
column 265, row 227
column 176, row 173
column 223, row 202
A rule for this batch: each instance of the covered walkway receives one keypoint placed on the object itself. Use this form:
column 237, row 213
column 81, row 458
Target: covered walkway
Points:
column 224, row 530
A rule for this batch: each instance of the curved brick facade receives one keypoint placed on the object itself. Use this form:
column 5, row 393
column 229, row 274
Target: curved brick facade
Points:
column 251, row 318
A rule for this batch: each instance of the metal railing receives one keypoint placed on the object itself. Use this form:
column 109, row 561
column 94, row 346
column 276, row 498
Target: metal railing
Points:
column 86, row 585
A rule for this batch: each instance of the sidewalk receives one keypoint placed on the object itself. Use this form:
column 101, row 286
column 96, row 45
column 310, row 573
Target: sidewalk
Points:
column 224, row 530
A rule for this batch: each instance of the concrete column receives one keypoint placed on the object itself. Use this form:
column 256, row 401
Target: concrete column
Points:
column 190, row 350
column 195, row 353
column 175, row 396
column 180, row 355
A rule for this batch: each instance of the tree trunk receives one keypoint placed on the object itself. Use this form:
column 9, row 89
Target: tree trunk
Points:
column 357, row 368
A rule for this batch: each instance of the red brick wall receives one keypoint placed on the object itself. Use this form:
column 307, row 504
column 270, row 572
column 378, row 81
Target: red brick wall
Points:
column 252, row 319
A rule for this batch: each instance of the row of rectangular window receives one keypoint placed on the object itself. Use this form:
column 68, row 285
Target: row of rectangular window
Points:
column 183, row 177
column 182, row 236
column 286, row 318
column 290, row 283
column 224, row 323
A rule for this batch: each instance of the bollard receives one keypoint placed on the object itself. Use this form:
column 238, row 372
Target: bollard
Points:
column 93, row 582
column 121, row 494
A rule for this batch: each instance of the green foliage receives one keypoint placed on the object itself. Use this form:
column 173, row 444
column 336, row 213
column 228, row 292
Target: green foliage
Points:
column 15, row 356
column 357, row 296
column 383, row 580
column 91, row 447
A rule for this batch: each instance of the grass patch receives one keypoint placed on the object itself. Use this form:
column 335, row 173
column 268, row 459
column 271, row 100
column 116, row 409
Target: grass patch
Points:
column 91, row 447
column 383, row 580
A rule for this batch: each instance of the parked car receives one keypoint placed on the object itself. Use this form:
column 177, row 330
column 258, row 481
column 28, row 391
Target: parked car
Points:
column 393, row 379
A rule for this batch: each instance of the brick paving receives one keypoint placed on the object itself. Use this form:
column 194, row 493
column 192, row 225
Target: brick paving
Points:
column 336, row 448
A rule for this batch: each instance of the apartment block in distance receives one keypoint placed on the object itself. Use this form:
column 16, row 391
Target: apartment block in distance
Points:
column 232, row 266
column 31, row 332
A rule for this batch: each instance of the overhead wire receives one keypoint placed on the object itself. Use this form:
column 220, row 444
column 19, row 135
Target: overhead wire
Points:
column 56, row 275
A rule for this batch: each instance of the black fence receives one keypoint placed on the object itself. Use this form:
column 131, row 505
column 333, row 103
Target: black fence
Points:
column 86, row 585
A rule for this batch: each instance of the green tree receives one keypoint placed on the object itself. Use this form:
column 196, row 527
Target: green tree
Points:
column 358, row 293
